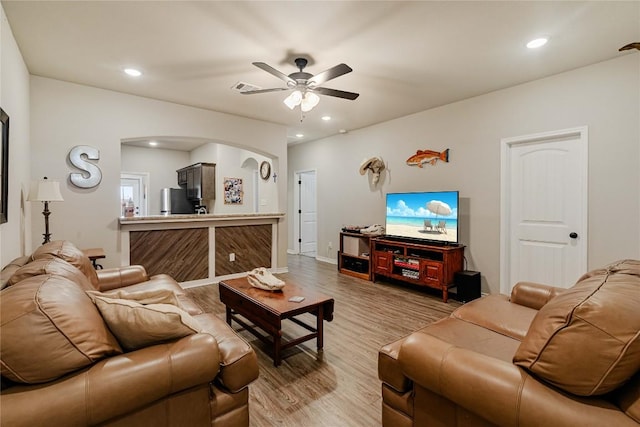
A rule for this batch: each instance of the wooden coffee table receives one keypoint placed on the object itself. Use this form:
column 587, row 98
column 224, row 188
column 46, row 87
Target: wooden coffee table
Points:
column 267, row 310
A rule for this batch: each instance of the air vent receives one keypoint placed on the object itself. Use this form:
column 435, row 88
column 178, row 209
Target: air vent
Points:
column 244, row 87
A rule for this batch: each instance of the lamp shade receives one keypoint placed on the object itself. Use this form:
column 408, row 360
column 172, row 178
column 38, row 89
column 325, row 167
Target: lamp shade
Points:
column 45, row 191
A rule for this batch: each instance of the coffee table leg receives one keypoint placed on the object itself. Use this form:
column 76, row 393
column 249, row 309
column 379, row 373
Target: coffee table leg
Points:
column 228, row 315
column 319, row 327
column 277, row 348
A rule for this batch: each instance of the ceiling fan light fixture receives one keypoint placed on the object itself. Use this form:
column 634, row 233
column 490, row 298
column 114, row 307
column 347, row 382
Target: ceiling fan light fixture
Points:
column 293, row 100
column 309, row 101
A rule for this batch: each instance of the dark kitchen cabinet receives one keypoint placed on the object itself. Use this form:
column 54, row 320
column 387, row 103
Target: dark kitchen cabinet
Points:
column 199, row 180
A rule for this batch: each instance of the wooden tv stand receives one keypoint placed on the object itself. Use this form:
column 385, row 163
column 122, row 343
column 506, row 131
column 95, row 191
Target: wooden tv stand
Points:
column 417, row 263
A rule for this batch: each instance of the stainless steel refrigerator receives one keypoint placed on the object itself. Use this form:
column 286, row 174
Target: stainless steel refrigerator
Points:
column 174, row 201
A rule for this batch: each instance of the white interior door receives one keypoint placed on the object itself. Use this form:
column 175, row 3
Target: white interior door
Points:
column 544, row 215
column 308, row 215
column 133, row 187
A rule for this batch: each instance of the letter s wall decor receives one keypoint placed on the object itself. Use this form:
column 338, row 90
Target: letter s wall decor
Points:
column 91, row 175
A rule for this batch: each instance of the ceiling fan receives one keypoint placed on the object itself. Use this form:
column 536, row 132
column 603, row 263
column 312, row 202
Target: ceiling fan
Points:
column 305, row 86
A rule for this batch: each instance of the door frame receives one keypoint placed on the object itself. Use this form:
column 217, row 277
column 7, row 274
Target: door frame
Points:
column 143, row 178
column 506, row 144
column 297, row 244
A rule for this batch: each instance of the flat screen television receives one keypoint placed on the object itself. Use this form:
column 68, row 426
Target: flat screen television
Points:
column 428, row 216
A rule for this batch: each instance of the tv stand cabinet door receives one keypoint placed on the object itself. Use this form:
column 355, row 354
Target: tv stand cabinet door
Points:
column 382, row 262
column 432, row 273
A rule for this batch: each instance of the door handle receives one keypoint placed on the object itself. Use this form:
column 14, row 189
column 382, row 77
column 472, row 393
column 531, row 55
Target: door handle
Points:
column 573, row 235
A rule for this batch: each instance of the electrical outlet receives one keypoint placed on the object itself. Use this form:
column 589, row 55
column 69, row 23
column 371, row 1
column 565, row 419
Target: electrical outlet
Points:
column 232, row 257
column 330, row 245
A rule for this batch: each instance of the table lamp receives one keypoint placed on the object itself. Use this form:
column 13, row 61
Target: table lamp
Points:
column 46, row 191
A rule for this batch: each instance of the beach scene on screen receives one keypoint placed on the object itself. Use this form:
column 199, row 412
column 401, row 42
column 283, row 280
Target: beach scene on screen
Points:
column 432, row 216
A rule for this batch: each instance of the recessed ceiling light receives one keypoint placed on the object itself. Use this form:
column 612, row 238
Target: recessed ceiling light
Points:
column 299, row 135
column 133, row 72
column 326, row 118
column 153, row 143
column 536, row 43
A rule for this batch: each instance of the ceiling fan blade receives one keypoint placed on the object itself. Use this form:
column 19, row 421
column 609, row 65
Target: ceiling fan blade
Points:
column 329, row 74
column 336, row 93
column 269, row 69
column 252, row 92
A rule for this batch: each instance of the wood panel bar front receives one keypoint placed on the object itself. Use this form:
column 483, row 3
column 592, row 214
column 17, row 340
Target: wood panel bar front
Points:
column 182, row 254
column 249, row 244
column 200, row 248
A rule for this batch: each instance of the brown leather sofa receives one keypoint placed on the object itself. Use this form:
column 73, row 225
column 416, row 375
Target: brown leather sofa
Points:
column 543, row 357
column 63, row 366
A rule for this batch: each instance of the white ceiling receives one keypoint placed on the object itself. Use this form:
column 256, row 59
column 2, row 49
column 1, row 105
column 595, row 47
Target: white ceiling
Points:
column 406, row 56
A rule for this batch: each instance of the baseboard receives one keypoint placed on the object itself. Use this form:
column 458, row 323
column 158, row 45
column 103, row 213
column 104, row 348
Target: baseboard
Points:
column 327, row 260
column 211, row 280
column 318, row 258
column 196, row 283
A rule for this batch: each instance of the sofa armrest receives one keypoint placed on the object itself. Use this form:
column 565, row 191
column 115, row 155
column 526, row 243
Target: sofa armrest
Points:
column 499, row 391
column 389, row 371
column 119, row 277
column 114, row 386
column 533, row 295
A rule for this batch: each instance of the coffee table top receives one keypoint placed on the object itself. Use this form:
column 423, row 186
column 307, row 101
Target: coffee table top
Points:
column 278, row 302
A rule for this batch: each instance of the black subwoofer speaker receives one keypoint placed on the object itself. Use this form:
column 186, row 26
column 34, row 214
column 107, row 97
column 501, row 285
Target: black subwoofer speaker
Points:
column 467, row 285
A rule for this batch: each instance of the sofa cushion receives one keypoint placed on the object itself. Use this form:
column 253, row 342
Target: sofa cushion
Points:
column 164, row 281
column 50, row 328
column 55, row 266
column 587, row 340
column 498, row 314
column 69, row 252
column 138, row 325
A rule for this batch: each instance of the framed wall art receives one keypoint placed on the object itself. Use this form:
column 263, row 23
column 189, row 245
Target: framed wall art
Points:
column 233, row 192
column 4, row 167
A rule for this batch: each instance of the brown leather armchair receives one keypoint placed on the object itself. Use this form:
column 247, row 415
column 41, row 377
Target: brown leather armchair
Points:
column 544, row 356
column 62, row 366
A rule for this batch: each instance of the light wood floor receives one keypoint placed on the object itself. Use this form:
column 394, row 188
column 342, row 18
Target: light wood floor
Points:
column 339, row 387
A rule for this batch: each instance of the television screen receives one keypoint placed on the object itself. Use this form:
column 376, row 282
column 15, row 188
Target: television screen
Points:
column 427, row 216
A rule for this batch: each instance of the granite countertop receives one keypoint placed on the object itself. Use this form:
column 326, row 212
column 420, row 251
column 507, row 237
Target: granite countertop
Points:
column 196, row 217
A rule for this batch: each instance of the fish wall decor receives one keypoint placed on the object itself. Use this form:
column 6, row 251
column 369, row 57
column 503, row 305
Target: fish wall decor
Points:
column 428, row 156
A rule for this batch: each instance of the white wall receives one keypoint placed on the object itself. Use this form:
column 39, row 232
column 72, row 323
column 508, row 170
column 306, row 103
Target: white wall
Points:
column 161, row 165
column 15, row 235
column 229, row 165
column 603, row 96
column 64, row 115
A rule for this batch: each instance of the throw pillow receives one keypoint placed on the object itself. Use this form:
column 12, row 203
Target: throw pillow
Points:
column 137, row 325
column 50, row 328
column 142, row 296
column 586, row 340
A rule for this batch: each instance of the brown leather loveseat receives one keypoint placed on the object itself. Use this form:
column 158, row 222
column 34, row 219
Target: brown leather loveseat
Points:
column 543, row 357
column 113, row 347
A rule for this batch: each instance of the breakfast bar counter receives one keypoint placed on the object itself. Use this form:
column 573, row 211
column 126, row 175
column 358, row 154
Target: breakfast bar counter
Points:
column 200, row 247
